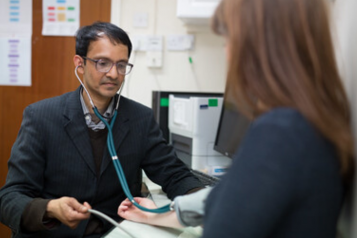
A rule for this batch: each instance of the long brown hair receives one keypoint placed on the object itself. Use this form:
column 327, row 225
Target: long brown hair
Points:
column 281, row 53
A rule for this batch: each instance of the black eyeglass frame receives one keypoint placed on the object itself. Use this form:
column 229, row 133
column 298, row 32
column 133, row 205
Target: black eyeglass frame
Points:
column 113, row 63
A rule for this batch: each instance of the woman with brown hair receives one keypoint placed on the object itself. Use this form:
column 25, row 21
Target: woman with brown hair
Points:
column 291, row 171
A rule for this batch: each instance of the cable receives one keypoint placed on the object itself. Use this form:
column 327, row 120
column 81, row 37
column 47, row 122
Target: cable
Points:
column 110, row 220
column 193, row 71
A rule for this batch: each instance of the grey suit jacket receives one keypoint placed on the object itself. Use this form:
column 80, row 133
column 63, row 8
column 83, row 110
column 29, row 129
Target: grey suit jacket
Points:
column 52, row 157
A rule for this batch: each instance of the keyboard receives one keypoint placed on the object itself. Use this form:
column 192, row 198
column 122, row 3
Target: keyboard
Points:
column 204, row 178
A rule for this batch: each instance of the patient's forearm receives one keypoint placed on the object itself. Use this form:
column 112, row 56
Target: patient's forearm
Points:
column 168, row 219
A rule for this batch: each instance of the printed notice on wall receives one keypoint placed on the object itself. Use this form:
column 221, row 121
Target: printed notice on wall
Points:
column 15, row 17
column 60, row 17
column 15, row 42
column 15, row 61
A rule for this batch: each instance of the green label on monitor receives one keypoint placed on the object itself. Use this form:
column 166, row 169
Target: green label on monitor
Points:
column 213, row 102
column 164, row 102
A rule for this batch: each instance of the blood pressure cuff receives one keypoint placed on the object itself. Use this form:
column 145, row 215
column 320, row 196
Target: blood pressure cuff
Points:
column 190, row 208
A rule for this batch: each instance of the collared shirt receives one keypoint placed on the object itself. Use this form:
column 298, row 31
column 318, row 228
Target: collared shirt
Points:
column 92, row 121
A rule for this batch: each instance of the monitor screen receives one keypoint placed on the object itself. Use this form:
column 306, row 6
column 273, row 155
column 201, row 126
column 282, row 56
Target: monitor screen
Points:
column 231, row 128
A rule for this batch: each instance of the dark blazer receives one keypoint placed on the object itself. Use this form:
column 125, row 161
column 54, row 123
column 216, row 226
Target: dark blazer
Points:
column 52, row 157
column 284, row 182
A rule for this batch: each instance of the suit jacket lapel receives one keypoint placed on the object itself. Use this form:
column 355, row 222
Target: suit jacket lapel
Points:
column 77, row 129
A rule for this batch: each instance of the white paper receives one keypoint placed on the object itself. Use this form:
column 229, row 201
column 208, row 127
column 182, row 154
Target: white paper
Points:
column 15, row 61
column 132, row 229
column 60, row 17
column 179, row 108
column 15, row 17
column 15, row 42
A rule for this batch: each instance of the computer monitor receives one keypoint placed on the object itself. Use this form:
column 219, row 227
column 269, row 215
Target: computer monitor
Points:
column 232, row 126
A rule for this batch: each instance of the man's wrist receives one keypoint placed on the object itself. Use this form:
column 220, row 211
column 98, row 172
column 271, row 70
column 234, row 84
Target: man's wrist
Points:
column 49, row 210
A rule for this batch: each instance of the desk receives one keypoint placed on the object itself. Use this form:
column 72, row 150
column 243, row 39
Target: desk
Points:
column 147, row 231
column 137, row 230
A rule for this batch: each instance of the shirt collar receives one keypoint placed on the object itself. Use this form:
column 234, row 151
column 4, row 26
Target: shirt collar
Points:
column 108, row 114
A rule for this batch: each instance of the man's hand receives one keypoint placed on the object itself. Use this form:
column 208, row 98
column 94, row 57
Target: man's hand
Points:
column 68, row 211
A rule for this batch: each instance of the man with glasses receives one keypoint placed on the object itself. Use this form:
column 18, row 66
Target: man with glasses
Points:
column 60, row 165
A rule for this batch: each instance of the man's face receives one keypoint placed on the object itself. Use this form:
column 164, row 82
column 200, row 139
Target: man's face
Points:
column 103, row 86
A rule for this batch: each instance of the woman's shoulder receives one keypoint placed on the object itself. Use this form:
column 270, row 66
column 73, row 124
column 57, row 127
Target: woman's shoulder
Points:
column 289, row 128
column 283, row 117
column 285, row 120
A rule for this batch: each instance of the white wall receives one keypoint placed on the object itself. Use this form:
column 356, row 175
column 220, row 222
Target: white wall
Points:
column 208, row 71
column 346, row 46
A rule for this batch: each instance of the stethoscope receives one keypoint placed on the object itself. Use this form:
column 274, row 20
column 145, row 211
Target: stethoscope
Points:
column 112, row 152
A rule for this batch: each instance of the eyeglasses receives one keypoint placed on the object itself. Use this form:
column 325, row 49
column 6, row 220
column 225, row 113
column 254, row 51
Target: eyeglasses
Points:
column 104, row 66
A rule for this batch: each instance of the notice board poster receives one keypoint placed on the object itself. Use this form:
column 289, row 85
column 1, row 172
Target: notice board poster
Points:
column 15, row 42
column 60, row 17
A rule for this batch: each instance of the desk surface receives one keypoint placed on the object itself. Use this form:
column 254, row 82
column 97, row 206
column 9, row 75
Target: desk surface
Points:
column 136, row 230
column 132, row 229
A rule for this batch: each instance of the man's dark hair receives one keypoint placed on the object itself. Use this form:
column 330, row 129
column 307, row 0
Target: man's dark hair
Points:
column 87, row 34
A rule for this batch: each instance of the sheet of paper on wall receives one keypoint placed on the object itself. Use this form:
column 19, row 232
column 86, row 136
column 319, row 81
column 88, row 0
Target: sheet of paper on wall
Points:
column 15, row 61
column 15, row 17
column 15, row 42
column 60, row 17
